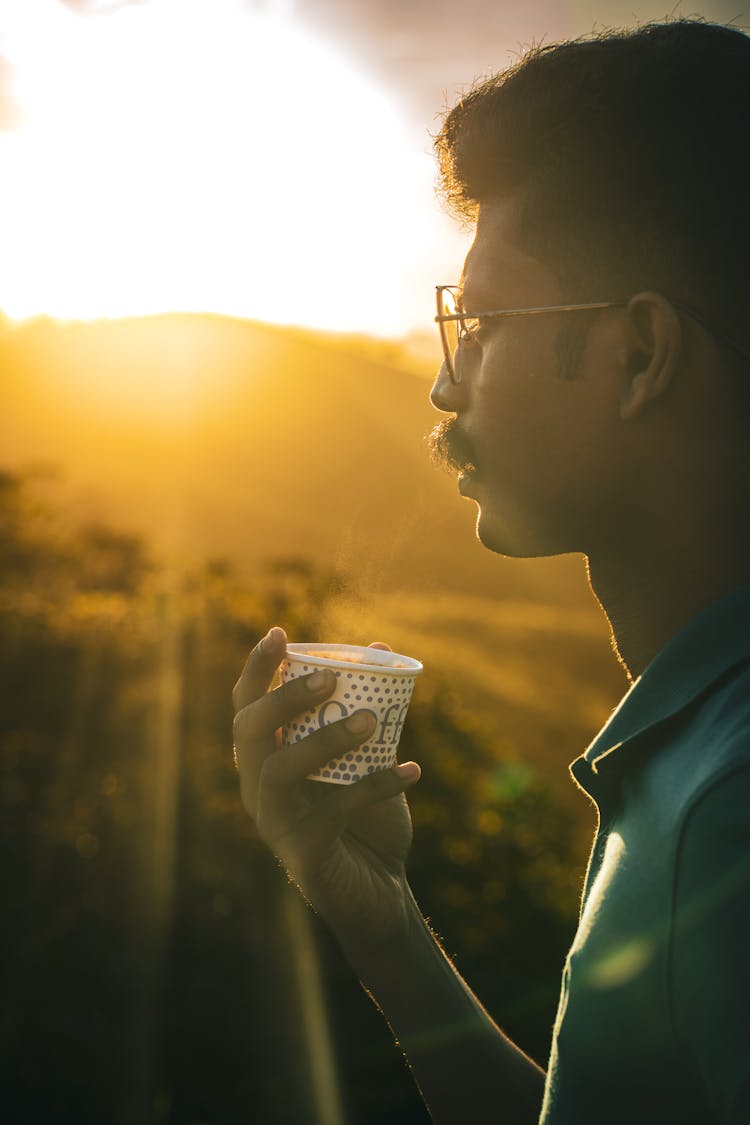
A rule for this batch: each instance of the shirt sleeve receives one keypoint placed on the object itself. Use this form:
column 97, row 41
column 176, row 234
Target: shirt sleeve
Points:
column 710, row 964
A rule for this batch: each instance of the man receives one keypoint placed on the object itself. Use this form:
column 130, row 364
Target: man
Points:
column 597, row 370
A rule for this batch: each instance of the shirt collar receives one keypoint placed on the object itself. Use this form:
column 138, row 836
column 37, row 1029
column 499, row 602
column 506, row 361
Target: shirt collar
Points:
column 711, row 644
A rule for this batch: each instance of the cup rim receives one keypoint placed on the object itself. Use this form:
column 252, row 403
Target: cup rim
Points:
column 302, row 651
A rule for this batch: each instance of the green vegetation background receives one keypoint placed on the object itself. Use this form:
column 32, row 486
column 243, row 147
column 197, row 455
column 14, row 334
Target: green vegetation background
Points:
column 156, row 966
column 147, row 951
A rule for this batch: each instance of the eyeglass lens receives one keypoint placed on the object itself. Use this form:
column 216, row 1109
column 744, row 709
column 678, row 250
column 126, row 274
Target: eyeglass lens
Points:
column 449, row 331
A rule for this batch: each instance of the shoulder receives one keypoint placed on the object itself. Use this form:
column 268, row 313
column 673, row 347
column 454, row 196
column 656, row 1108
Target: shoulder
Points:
column 709, row 965
column 686, row 762
column 711, row 744
column 714, row 843
column 728, row 702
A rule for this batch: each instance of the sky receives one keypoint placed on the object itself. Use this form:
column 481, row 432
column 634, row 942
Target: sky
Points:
column 261, row 158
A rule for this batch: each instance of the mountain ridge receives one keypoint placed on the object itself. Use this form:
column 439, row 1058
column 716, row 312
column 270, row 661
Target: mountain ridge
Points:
column 218, row 436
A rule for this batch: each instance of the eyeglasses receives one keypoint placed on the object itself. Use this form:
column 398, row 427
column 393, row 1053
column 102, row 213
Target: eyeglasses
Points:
column 457, row 327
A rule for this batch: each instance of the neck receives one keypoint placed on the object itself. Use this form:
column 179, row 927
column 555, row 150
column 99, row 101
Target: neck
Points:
column 650, row 595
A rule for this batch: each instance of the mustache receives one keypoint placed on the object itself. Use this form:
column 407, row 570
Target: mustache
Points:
column 450, row 448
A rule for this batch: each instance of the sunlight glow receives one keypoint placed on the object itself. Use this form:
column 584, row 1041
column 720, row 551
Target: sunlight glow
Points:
column 188, row 155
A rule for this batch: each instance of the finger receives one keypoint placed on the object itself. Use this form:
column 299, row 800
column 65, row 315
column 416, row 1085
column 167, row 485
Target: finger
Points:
column 260, row 718
column 381, row 645
column 256, row 727
column 292, row 764
column 330, row 814
column 305, row 841
column 381, row 785
column 374, row 788
column 260, row 666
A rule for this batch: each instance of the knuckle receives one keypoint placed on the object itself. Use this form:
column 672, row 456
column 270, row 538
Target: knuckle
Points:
column 239, row 726
column 243, row 673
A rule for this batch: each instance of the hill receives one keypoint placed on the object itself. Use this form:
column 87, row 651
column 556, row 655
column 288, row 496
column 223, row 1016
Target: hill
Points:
column 222, row 438
column 226, row 437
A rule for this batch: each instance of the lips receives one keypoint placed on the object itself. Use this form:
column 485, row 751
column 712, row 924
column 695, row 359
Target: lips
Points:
column 466, row 479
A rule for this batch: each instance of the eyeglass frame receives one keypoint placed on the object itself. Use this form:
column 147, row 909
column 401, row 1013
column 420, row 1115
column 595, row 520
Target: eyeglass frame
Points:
column 590, row 306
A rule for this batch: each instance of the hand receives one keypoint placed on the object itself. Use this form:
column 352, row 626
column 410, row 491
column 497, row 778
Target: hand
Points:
column 345, row 845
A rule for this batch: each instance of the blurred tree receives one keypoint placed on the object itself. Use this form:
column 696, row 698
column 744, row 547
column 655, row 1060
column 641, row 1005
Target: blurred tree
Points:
column 151, row 960
column 493, row 864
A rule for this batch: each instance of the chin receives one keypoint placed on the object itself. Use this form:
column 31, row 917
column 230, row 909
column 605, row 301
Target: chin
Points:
column 511, row 540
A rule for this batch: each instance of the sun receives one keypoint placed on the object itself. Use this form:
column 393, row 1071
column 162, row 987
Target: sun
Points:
column 189, row 155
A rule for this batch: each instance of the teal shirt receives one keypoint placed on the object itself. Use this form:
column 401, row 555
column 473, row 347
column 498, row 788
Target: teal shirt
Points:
column 653, row 1023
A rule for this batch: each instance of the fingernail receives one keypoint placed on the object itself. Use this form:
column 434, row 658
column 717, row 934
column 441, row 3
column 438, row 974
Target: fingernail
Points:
column 318, row 680
column 408, row 771
column 359, row 722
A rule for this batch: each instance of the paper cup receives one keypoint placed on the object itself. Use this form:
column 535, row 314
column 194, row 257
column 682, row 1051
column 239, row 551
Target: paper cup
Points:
column 367, row 679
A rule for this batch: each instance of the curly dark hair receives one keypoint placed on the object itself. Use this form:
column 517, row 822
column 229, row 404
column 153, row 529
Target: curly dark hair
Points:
column 631, row 154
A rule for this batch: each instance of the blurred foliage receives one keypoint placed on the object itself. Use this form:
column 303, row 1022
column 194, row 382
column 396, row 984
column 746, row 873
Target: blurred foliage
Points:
column 145, row 957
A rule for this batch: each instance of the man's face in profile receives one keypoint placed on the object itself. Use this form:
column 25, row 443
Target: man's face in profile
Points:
column 533, row 445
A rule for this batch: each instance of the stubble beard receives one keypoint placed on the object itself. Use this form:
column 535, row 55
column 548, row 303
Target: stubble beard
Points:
column 450, row 449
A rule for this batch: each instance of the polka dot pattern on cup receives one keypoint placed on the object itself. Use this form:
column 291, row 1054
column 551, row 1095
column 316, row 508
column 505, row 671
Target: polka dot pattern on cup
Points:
column 385, row 693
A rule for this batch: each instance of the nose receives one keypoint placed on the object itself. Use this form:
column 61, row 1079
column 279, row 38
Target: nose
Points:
column 447, row 395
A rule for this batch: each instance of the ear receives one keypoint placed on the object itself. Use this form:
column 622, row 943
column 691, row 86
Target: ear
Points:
column 654, row 346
